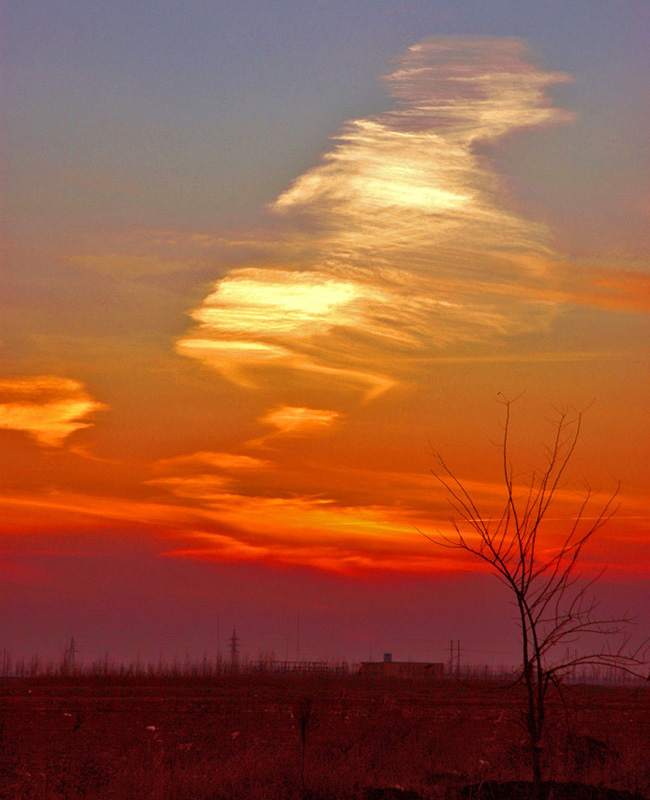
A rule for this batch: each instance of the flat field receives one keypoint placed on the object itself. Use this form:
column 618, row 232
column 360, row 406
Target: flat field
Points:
column 321, row 737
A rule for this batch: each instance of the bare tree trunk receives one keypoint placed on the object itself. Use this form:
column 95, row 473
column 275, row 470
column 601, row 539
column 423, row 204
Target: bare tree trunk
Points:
column 538, row 564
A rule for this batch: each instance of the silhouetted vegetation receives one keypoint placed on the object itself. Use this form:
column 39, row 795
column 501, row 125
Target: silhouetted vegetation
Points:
column 291, row 737
column 538, row 561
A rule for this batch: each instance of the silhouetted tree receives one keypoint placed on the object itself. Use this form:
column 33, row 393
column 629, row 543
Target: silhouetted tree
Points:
column 537, row 559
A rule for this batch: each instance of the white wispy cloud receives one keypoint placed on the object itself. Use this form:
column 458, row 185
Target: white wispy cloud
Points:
column 399, row 246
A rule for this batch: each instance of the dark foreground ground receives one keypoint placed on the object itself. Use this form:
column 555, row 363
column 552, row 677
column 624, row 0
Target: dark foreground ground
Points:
column 240, row 737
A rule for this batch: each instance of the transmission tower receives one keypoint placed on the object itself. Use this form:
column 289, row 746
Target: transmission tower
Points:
column 70, row 656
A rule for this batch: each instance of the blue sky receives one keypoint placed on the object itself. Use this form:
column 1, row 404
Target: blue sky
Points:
column 206, row 110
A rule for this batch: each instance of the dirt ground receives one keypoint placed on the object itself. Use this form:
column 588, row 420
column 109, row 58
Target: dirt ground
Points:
column 242, row 737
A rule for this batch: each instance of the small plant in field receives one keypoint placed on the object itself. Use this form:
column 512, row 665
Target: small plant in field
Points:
column 304, row 716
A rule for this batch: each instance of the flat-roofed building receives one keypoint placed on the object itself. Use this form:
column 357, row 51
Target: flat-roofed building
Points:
column 426, row 670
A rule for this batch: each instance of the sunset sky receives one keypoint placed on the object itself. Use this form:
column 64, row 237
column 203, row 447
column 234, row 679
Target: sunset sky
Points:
column 261, row 259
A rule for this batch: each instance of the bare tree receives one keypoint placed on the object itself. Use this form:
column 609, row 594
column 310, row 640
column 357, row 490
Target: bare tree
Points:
column 537, row 559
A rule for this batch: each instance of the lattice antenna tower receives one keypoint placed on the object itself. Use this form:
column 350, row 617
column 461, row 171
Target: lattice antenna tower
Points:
column 70, row 655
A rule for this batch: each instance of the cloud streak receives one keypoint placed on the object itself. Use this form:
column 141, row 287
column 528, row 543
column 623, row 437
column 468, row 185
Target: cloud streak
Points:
column 46, row 407
column 396, row 252
column 292, row 420
column 220, row 461
column 403, row 247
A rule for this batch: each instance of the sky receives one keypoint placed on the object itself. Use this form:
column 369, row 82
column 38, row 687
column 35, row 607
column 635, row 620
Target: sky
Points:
column 261, row 260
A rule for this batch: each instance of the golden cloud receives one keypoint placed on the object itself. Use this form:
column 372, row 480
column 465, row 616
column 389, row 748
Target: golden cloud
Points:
column 400, row 245
column 260, row 318
column 267, row 302
column 297, row 420
column 47, row 407
column 394, row 252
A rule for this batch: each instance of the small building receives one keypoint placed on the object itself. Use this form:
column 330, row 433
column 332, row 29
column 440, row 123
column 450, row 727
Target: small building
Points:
column 420, row 670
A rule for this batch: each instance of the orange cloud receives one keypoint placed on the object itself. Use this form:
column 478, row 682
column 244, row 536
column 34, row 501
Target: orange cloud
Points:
column 221, row 461
column 212, row 515
column 607, row 288
column 310, row 531
column 290, row 420
column 46, row 407
column 203, row 487
column 350, row 532
column 322, row 558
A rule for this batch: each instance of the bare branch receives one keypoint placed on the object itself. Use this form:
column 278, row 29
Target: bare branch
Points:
column 554, row 607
